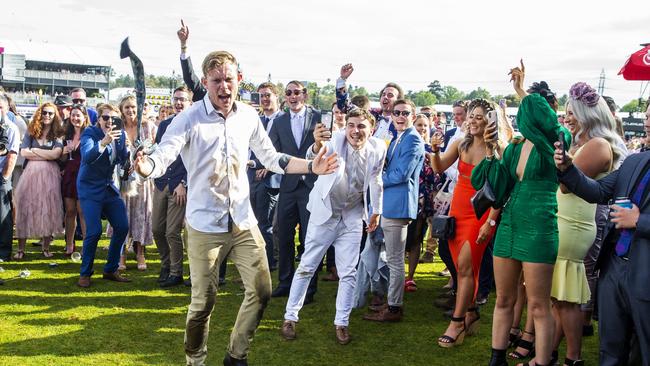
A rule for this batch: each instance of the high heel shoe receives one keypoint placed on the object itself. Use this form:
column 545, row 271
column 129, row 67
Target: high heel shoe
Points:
column 446, row 341
column 142, row 264
column 527, row 345
column 513, row 338
column 570, row 362
column 472, row 328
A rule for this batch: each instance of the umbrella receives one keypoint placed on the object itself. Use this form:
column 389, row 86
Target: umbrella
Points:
column 637, row 66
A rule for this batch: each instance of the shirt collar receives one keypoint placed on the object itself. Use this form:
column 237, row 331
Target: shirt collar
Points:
column 211, row 111
column 300, row 113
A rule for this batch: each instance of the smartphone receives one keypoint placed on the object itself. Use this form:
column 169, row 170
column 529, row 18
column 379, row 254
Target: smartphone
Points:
column 326, row 119
column 564, row 147
column 503, row 104
column 255, row 98
column 118, row 124
column 493, row 118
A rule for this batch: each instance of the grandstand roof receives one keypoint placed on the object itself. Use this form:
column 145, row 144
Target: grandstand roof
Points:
column 60, row 53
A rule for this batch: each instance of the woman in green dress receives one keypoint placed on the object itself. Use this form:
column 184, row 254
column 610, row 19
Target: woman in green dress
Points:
column 525, row 182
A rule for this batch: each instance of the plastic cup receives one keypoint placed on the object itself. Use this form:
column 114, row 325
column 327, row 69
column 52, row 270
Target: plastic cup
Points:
column 75, row 256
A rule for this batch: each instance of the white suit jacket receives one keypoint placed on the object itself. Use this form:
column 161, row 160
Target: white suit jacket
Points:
column 320, row 205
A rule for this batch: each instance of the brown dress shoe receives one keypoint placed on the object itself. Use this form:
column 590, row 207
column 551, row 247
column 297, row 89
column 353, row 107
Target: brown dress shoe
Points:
column 84, row 281
column 377, row 303
column 342, row 335
column 288, row 330
column 384, row 316
column 115, row 276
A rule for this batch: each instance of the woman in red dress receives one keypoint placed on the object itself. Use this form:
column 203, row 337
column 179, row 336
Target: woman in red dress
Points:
column 472, row 235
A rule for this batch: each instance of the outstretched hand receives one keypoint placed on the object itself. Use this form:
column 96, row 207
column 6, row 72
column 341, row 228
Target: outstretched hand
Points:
column 183, row 33
column 141, row 164
column 323, row 165
column 517, row 75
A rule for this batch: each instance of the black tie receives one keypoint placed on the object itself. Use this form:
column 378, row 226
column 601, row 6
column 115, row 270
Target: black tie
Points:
column 265, row 121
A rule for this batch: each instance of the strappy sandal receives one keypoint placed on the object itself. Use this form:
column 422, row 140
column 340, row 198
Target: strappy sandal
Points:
column 47, row 254
column 527, row 345
column 446, row 341
column 513, row 338
column 142, row 264
column 410, row 286
column 19, row 255
column 472, row 328
column 570, row 362
column 69, row 254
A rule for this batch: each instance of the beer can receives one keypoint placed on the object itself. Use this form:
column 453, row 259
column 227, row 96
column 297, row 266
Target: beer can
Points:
column 623, row 202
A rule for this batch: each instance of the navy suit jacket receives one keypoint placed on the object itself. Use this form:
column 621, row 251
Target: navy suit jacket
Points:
column 258, row 164
column 447, row 137
column 191, row 80
column 620, row 183
column 96, row 171
column 283, row 140
column 176, row 171
column 402, row 176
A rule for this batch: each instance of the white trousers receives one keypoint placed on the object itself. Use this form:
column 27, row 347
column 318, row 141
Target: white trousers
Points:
column 347, row 241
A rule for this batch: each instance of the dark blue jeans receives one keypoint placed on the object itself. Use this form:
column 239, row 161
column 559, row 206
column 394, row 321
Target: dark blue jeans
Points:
column 113, row 208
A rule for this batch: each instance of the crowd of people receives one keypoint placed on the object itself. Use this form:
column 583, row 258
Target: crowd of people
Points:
column 559, row 207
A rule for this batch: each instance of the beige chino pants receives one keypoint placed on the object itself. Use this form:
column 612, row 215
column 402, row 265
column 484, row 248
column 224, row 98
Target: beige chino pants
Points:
column 246, row 249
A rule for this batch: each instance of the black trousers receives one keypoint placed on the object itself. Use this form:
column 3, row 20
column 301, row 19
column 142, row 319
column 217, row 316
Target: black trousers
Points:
column 263, row 201
column 292, row 210
column 620, row 314
column 6, row 220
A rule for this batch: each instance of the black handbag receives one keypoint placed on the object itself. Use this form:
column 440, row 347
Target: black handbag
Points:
column 483, row 199
column 443, row 227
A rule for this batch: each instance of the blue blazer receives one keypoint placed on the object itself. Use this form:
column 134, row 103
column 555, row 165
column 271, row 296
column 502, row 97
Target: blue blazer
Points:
column 404, row 160
column 96, row 171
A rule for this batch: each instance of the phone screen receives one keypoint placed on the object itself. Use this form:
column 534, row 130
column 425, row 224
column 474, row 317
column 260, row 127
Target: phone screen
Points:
column 326, row 119
column 255, row 98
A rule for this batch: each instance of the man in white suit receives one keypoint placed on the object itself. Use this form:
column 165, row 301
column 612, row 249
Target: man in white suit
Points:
column 338, row 205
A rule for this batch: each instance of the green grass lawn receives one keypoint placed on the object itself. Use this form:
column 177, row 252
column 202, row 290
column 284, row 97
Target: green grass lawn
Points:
column 47, row 320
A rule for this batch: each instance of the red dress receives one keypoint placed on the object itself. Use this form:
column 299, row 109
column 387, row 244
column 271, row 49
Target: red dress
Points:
column 467, row 226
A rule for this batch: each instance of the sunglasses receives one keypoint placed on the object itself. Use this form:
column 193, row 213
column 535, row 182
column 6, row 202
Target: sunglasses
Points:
column 107, row 118
column 401, row 113
column 78, row 101
column 47, row 113
column 295, row 92
column 428, row 114
column 80, row 107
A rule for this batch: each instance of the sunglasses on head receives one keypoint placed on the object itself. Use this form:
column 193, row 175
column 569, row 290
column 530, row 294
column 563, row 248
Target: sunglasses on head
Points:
column 79, row 106
column 78, row 101
column 47, row 113
column 295, row 92
column 107, row 118
column 401, row 113
column 428, row 114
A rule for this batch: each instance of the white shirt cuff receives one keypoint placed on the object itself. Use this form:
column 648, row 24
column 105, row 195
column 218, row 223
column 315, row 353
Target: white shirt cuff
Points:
column 340, row 83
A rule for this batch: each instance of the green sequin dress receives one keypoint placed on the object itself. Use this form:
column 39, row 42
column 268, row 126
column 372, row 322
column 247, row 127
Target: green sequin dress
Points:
column 528, row 231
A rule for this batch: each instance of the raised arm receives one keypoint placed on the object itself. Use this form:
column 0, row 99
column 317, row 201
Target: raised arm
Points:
column 441, row 162
column 342, row 96
column 189, row 77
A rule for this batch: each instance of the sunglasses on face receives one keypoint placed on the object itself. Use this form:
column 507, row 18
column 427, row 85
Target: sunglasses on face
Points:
column 295, row 92
column 78, row 101
column 47, row 113
column 401, row 113
column 107, row 118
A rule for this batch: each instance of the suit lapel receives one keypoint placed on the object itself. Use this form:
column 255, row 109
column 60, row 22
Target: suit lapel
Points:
column 634, row 178
column 646, row 200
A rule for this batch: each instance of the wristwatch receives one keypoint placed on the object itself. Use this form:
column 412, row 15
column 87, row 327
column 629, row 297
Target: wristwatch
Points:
column 492, row 223
column 309, row 167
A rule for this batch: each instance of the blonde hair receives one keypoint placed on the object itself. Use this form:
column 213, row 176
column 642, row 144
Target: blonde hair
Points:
column 216, row 59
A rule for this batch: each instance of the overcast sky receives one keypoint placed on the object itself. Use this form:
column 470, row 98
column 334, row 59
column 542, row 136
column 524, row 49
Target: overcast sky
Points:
column 466, row 44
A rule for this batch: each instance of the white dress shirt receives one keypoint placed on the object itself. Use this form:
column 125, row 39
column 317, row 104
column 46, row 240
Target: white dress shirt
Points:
column 215, row 153
column 298, row 125
column 452, row 171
